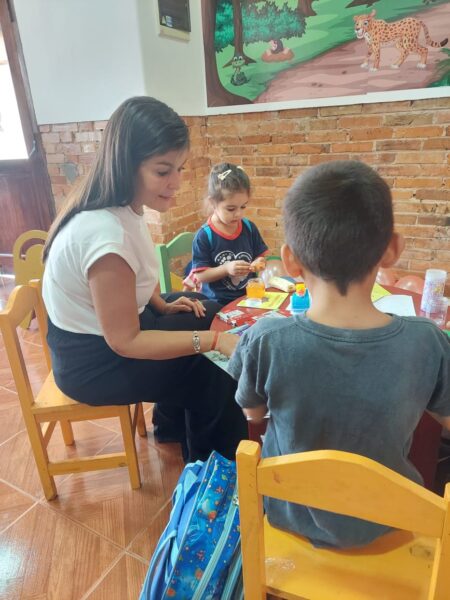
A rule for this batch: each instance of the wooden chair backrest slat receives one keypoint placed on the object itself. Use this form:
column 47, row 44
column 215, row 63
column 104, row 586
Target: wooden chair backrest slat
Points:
column 22, row 300
column 179, row 246
column 353, row 485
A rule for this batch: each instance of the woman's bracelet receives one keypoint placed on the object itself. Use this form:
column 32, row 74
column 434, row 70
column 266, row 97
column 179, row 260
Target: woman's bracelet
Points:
column 215, row 340
column 196, row 342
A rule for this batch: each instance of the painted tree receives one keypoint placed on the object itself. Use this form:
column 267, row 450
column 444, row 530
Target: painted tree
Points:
column 261, row 21
column 305, row 8
column 238, row 37
column 217, row 95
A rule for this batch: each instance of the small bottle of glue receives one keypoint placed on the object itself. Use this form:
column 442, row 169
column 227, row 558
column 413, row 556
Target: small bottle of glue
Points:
column 300, row 300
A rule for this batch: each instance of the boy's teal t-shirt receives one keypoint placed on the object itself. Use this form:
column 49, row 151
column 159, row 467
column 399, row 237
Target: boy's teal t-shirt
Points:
column 361, row 391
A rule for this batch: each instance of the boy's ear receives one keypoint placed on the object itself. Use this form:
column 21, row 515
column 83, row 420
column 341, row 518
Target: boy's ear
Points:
column 293, row 266
column 393, row 251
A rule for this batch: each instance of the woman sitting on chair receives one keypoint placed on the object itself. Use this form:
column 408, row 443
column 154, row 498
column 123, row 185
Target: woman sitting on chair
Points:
column 108, row 325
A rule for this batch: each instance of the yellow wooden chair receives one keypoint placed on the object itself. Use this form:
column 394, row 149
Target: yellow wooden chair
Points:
column 50, row 405
column 27, row 260
column 398, row 566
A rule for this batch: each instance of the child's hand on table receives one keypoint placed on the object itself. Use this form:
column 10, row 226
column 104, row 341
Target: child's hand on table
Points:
column 237, row 267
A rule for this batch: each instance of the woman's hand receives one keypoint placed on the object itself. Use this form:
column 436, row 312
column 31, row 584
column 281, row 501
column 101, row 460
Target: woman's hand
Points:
column 237, row 267
column 184, row 304
column 226, row 343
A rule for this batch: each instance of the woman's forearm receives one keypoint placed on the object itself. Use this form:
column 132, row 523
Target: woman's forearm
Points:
column 158, row 303
column 161, row 345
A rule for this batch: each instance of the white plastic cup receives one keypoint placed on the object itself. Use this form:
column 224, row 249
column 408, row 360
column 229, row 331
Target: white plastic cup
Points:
column 433, row 290
column 439, row 312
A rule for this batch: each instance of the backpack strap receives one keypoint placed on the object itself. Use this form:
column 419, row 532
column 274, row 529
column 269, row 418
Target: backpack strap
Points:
column 247, row 224
column 208, row 231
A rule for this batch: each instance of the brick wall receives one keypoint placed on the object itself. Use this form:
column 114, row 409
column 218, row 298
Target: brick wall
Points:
column 407, row 142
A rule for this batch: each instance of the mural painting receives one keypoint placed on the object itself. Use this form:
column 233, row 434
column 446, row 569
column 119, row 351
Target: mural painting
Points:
column 293, row 50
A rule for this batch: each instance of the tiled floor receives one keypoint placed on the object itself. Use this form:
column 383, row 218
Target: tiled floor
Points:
column 95, row 540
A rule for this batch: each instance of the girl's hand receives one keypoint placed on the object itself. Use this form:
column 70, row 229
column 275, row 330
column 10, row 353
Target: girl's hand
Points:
column 184, row 304
column 226, row 343
column 258, row 265
column 237, row 267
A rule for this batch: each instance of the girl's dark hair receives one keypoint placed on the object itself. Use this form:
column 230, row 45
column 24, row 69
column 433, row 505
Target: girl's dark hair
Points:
column 140, row 128
column 338, row 221
column 226, row 179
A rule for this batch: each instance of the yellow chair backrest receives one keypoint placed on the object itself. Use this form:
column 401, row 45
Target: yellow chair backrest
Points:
column 352, row 485
column 27, row 260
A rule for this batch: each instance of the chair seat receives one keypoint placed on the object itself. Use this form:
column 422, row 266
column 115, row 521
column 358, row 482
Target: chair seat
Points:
column 51, row 399
column 397, row 566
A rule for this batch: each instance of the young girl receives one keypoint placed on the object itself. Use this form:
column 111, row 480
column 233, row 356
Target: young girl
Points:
column 228, row 249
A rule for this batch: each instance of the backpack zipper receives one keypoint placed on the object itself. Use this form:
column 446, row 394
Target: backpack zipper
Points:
column 218, row 550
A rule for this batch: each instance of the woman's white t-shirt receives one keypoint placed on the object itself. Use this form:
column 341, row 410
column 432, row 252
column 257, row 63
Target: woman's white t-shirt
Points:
column 87, row 237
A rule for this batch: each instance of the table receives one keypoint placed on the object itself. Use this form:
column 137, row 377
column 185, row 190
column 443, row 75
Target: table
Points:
column 425, row 446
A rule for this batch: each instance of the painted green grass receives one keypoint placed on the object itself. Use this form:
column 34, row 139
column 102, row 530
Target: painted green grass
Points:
column 331, row 27
column 443, row 71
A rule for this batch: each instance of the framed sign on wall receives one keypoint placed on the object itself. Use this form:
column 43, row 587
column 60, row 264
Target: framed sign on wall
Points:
column 174, row 17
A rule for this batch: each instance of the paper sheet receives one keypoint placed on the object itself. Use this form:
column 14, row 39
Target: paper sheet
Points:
column 396, row 305
column 271, row 301
column 378, row 292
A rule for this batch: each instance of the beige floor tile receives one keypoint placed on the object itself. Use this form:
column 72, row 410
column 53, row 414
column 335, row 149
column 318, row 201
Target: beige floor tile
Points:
column 145, row 542
column 12, row 504
column 18, row 467
column 11, row 421
column 123, row 582
column 105, row 502
column 47, row 556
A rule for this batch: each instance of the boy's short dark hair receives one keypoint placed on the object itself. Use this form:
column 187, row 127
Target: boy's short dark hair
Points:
column 338, row 221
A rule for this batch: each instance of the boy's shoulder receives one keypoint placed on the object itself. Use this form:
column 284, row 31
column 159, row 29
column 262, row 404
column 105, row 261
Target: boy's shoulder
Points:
column 272, row 325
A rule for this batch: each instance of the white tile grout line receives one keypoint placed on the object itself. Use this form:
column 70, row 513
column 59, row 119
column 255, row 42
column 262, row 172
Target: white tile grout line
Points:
column 2, row 531
column 18, row 489
column 146, row 526
column 103, row 576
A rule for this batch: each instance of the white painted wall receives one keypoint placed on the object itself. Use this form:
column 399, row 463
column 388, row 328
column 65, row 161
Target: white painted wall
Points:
column 85, row 56
column 174, row 69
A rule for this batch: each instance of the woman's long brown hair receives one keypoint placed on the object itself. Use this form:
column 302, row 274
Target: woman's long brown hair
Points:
column 140, row 128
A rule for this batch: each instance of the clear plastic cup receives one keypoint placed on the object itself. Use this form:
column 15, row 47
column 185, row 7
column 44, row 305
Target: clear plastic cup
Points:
column 256, row 288
column 433, row 289
column 438, row 312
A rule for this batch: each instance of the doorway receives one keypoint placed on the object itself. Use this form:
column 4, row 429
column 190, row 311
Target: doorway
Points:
column 26, row 200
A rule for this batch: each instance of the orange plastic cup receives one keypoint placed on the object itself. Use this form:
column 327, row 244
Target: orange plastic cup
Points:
column 256, row 288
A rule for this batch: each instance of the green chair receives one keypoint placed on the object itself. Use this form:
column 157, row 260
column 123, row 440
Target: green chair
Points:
column 179, row 246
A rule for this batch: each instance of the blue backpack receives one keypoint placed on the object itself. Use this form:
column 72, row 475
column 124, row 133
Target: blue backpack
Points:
column 198, row 553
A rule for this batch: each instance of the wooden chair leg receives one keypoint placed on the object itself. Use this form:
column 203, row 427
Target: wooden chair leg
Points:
column 41, row 458
column 130, row 447
column 140, row 420
column 67, row 432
